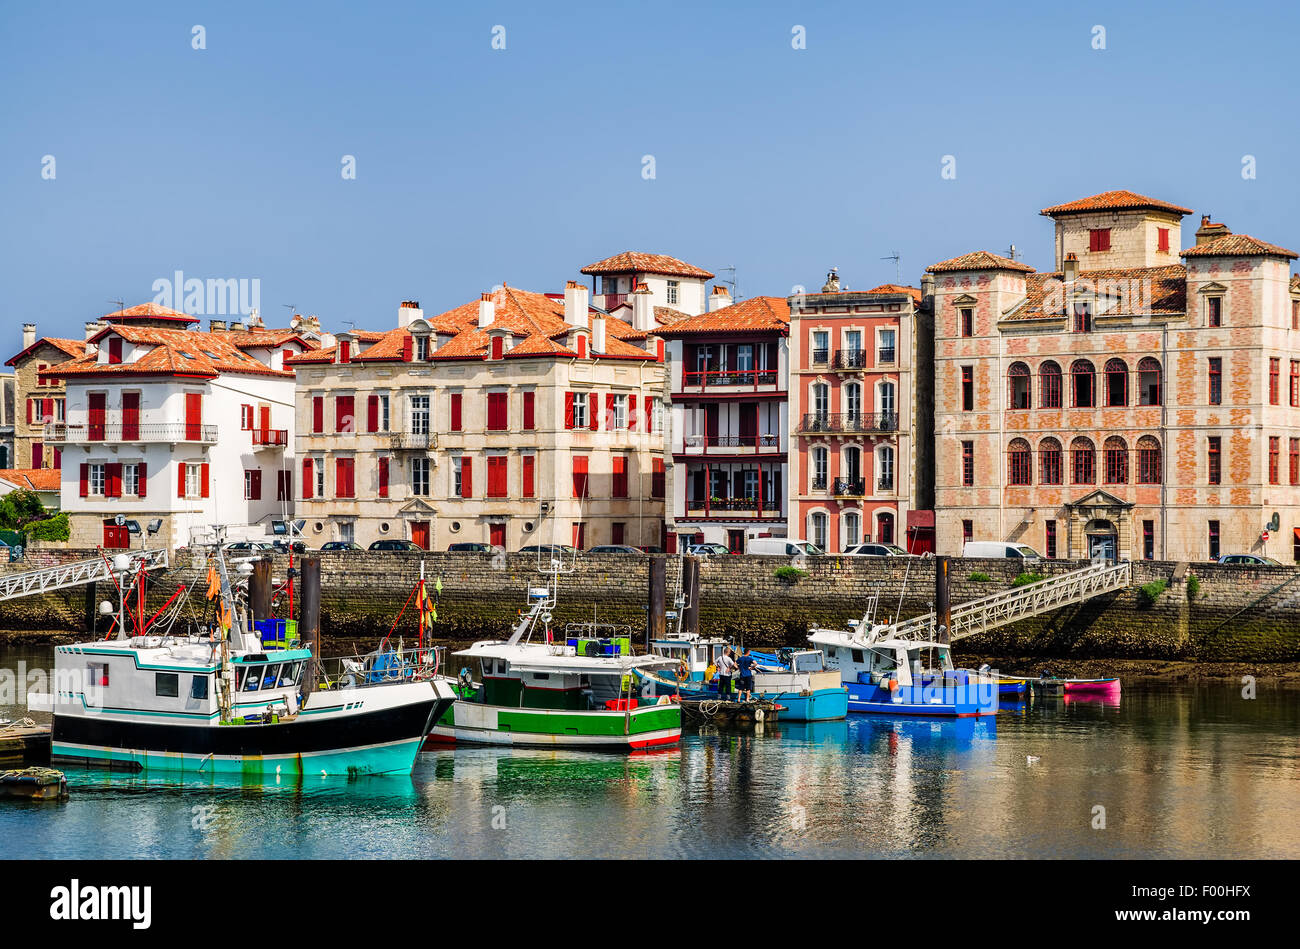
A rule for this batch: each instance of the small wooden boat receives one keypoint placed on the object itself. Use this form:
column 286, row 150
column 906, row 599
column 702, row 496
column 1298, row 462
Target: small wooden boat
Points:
column 36, row 784
column 1106, row 686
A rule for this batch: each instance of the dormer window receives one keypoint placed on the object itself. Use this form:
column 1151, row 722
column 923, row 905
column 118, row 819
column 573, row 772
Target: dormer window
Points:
column 115, row 350
column 1099, row 239
column 422, row 348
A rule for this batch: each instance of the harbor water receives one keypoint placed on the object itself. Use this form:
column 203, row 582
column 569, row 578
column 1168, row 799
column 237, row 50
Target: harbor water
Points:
column 1163, row 771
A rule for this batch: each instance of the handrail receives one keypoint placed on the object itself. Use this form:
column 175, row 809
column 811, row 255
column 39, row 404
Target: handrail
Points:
column 77, row 573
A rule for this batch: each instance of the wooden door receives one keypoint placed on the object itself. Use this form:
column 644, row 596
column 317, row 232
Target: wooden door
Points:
column 420, row 534
column 748, row 424
column 193, row 416
column 97, row 416
column 497, row 535
column 130, row 416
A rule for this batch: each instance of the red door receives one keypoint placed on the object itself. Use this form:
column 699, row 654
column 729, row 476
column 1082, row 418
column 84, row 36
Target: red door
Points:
column 710, row 424
column 264, row 422
column 420, row 534
column 116, row 537
column 97, row 416
column 130, row 416
column 749, row 424
column 193, row 416
column 580, row 535
column 497, row 535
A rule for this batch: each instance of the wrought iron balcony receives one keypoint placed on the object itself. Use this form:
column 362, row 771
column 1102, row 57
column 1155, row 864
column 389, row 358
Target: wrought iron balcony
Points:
column 819, row 484
column 849, row 422
column 850, row 359
column 704, row 443
column 886, row 355
column 710, row 378
column 820, row 356
column 850, row 487
column 270, row 437
column 412, row 441
column 131, row 432
column 884, row 485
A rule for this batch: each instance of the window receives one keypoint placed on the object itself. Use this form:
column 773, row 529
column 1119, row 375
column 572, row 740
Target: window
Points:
column 345, row 485
column 419, row 414
column 1018, row 386
column 1148, row 382
column 657, row 478
column 383, row 477
column 1082, row 462
column 619, row 483
column 1082, row 378
column 852, row 530
column 616, row 409
column 457, row 420
column 967, row 388
column 1295, row 461
column 1216, row 380
column 821, row 346
column 1082, row 318
column 319, row 469
column 246, row 418
column 253, row 485
column 1050, row 528
column 1214, row 540
column 131, row 479
column 497, row 411
column 575, row 410
column 496, row 476
column 1214, row 465
column 317, row 414
column 819, row 529
column 1099, row 239
column 580, row 484
column 967, row 321
column 819, row 462
column 530, row 410
column 1116, row 383
column 1049, row 461
column 422, row 348
column 198, row 687
column 344, row 419
column 1149, row 461
column 885, row 467
column 1116, row 452
column 672, row 292
column 968, row 463
column 1274, row 377
column 1295, row 383
column 967, row 531
column 1274, row 450
column 1295, row 314
column 284, row 485
column 420, row 477
column 166, row 685
column 853, row 400
column 529, row 476
column 1018, row 468
column 1148, row 540
column 1214, row 311
column 887, row 351
column 1162, row 245
column 377, row 412
column 462, row 473
column 97, row 479
column 1049, row 374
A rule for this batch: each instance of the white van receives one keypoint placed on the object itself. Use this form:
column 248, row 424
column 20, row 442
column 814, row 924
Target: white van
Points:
column 782, row 547
column 998, row 550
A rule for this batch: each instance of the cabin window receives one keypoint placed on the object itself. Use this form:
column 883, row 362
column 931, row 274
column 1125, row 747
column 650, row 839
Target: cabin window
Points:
column 289, row 673
column 541, row 676
column 97, row 675
column 199, row 687
column 270, row 673
column 857, row 655
column 250, row 679
column 166, row 684
column 830, row 652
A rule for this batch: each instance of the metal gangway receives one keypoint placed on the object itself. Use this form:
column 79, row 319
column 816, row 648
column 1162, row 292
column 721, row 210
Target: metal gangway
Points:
column 1010, row 606
column 78, row 573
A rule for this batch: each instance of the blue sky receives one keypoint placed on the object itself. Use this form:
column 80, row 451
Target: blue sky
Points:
column 477, row 165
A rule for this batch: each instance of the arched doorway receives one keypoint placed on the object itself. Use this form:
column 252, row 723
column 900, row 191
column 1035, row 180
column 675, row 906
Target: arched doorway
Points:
column 1103, row 540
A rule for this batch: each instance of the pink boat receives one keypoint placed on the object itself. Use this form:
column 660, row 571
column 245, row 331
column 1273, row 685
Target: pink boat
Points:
column 1092, row 686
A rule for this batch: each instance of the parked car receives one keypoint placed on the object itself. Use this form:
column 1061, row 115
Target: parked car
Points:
column 396, row 545
column 469, row 548
column 247, row 547
column 876, row 550
column 550, row 550
column 783, row 547
column 651, row 550
column 297, row 546
column 1248, row 560
column 340, row 545
column 999, row 550
column 613, row 549
column 707, row 550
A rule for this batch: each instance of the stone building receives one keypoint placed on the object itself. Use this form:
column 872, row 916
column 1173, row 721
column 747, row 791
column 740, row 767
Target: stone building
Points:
column 1140, row 401
column 860, row 417
column 517, row 419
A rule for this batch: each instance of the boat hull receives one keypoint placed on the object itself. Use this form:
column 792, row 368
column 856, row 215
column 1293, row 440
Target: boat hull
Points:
column 473, row 723
column 1092, row 686
column 364, row 731
column 948, row 701
column 818, row 705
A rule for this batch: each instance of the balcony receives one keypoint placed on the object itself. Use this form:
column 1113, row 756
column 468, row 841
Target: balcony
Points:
column 886, row 356
column 850, row 487
column 850, row 423
column 412, row 441
column 729, row 378
column 132, row 433
column 730, row 444
column 885, row 485
column 270, row 437
column 732, row 508
column 850, row 359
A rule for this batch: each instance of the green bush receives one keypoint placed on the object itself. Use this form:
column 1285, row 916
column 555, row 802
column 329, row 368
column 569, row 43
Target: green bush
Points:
column 1193, row 585
column 978, row 577
column 789, row 574
column 52, row 528
column 1148, row 593
column 1025, row 578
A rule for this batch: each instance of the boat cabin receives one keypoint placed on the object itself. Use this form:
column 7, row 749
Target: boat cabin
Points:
column 859, row 660
column 546, row 676
column 698, row 653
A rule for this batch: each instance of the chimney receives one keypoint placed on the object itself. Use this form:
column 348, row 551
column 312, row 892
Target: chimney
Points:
column 643, row 309
column 1071, row 268
column 1209, row 230
column 216, row 326
column 927, row 290
column 719, row 299
column 598, row 333
column 487, row 310
column 575, row 303
column 93, row 327
column 29, row 335
column 408, row 311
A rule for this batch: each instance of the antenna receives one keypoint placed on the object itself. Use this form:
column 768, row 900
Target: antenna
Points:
column 120, row 303
column 897, row 259
column 1013, row 253
column 735, row 293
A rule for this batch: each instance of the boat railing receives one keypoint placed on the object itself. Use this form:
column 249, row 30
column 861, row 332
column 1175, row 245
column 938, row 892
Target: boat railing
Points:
column 402, row 664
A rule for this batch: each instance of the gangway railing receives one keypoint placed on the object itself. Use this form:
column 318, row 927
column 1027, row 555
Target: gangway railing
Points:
column 1010, row 606
column 78, row 573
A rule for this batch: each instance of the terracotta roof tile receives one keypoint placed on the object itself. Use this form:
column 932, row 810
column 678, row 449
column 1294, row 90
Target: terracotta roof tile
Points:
column 149, row 311
column 74, row 348
column 1163, row 290
column 979, row 260
column 757, row 314
column 913, row 292
column 181, row 352
column 38, row 479
column 633, row 262
column 1113, row 201
column 1237, row 245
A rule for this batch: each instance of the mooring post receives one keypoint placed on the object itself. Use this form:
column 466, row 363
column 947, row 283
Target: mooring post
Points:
column 92, row 609
column 942, row 605
column 259, row 589
column 309, row 619
column 691, row 587
column 656, row 617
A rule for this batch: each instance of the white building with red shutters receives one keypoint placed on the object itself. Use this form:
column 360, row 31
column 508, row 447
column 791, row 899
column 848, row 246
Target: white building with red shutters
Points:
column 179, row 427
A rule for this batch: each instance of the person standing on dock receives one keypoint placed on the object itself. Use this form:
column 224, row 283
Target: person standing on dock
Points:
column 726, row 669
column 746, row 681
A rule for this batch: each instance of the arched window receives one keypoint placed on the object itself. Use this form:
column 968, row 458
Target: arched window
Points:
column 852, row 530
column 821, row 407
column 887, row 406
column 817, row 529
column 1018, row 386
column 1149, row 382
column 1116, row 450
column 884, row 528
column 1018, row 468
column 1049, row 461
column 1116, row 382
column 1149, row 466
column 1049, row 374
column 1083, row 461
column 1083, row 384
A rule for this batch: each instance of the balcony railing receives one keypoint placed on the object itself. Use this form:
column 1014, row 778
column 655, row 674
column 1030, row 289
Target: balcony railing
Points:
column 884, row 485
column 706, row 378
column 820, row 356
column 886, row 355
column 850, row 487
column 118, row 432
column 819, row 484
column 849, row 422
column 705, row 442
column 270, row 437
column 412, row 441
column 699, row 507
column 850, row 359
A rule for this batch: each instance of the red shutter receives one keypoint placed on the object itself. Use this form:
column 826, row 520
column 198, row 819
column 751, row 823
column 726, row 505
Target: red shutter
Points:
column 306, row 478
column 529, row 462
column 649, row 415
column 407, row 344
column 568, row 410
column 203, row 480
column 593, row 410
column 609, row 411
column 455, row 411
column 383, row 477
column 344, row 486
column 345, row 351
column 528, row 411
column 620, row 477
column 582, row 347
column 180, row 480
column 85, row 480
column 143, row 489
column 318, row 414
column 257, row 484
column 579, row 476
column 47, row 410
column 496, row 482
column 466, row 477
column 113, row 480
column 372, row 413
column 30, row 402
column 498, row 344
column 344, row 408
column 631, row 413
